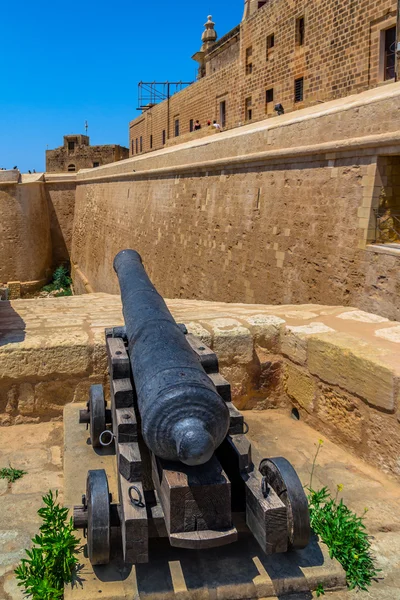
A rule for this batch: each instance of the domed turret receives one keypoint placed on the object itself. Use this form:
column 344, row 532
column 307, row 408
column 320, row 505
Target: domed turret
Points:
column 209, row 36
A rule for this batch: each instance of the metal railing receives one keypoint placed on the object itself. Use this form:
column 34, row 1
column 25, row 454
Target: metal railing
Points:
column 387, row 225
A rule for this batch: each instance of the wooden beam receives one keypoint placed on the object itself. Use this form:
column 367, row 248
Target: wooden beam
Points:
column 134, row 525
column 118, row 359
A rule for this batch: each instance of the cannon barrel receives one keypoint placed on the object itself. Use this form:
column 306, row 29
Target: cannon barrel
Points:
column 183, row 417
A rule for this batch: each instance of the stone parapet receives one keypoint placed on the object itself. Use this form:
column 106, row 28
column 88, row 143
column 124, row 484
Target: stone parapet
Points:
column 339, row 367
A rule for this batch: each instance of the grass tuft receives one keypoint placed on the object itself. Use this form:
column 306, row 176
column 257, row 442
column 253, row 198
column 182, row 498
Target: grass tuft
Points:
column 11, row 474
column 343, row 532
column 52, row 561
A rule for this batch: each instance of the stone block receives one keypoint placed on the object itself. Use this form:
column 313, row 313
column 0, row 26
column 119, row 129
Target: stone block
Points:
column 355, row 366
column 382, row 435
column 14, row 290
column 341, row 411
column 51, row 396
column 362, row 316
column 200, row 331
column 300, row 386
column 26, row 399
column 233, row 343
column 266, row 330
column 61, row 352
column 294, row 340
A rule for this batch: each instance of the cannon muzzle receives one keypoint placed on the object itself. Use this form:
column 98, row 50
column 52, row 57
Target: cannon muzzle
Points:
column 183, row 417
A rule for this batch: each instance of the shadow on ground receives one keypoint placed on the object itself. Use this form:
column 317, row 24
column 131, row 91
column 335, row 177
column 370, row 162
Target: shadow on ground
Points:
column 12, row 327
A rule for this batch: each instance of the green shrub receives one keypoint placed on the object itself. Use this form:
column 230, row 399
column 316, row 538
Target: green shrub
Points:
column 61, row 281
column 52, row 560
column 11, row 474
column 343, row 532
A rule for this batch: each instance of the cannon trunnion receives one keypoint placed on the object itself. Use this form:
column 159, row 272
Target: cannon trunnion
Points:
column 183, row 459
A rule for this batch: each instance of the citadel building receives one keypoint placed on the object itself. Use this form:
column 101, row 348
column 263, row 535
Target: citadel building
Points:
column 288, row 53
column 77, row 153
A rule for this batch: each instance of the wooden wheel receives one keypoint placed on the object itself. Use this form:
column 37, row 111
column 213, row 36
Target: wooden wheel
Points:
column 281, row 476
column 97, row 410
column 98, row 512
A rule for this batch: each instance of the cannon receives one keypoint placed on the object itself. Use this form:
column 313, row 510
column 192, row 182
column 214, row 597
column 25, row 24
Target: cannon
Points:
column 184, row 462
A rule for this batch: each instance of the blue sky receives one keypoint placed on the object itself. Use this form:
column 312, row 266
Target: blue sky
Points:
column 66, row 62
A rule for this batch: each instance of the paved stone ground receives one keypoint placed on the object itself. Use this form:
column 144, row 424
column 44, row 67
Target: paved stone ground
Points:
column 38, row 450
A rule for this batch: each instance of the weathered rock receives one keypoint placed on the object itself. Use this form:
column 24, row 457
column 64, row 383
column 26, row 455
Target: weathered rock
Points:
column 353, row 365
column 266, row 330
column 294, row 340
column 341, row 411
column 232, row 342
column 300, row 386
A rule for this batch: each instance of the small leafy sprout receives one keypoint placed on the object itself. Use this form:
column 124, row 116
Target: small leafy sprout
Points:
column 11, row 474
column 61, row 283
column 52, row 561
column 320, row 590
column 344, row 533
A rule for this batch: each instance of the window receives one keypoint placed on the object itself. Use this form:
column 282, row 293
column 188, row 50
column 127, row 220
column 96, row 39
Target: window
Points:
column 261, row 3
column 141, row 144
column 176, row 127
column 249, row 60
column 248, row 109
column 71, row 167
column 137, row 147
column 151, row 142
column 133, row 147
column 269, row 95
column 270, row 45
column 163, row 137
column 96, row 164
column 71, row 146
column 298, row 89
column 222, row 113
column 191, row 125
column 300, row 31
column 389, row 54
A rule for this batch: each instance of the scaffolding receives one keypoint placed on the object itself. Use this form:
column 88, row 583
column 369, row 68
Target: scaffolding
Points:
column 153, row 92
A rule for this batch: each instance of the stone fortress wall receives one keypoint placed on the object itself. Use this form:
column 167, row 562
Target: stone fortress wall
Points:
column 341, row 51
column 37, row 213
column 274, row 212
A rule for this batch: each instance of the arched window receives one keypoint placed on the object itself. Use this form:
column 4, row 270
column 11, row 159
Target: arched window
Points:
column 71, row 167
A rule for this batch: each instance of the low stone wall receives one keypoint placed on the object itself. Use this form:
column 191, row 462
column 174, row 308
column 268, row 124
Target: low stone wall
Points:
column 339, row 367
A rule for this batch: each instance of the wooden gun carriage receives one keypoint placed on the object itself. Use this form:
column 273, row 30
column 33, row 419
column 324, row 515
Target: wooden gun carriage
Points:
column 184, row 462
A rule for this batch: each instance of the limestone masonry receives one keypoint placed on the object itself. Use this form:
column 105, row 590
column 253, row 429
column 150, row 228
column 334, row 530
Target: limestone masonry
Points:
column 283, row 52
column 338, row 366
column 76, row 153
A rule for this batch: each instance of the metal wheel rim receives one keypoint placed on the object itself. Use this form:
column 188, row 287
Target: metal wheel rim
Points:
column 282, row 477
column 97, row 408
column 98, row 507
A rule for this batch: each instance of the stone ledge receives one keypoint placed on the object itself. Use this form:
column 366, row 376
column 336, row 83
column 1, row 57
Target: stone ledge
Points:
column 340, row 367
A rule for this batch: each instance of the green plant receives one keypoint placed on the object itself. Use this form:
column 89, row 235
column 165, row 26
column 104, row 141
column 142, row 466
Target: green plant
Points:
column 320, row 590
column 11, row 474
column 61, row 281
column 343, row 532
column 52, row 560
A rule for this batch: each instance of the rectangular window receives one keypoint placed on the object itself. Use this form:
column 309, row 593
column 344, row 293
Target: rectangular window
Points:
column 389, row 56
column 176, row 127
column 300, row 31
column 249, row 60
column 298, row 89
column 151, row 141
column 71, row 146
column 96, row 164
column 270, row 45
column 222, row 113
column 137, row 148
column 163, row 137
column 248, row 109
column 133, row 147
column 141, row 144
column 191, row 125
column 269, row 95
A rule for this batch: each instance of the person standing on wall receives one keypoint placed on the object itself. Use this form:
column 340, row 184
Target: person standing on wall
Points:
column 217, row 126
column 197, row 125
